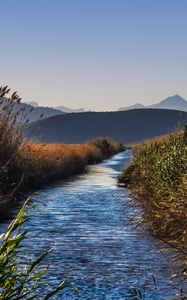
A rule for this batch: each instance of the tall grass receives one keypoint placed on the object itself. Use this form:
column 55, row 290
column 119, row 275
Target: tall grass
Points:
column 22, row 279
column 158, row 179
column 24, row 166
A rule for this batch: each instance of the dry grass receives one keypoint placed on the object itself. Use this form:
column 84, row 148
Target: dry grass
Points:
column 24, row 166
column 54, row 161
column 158, row 179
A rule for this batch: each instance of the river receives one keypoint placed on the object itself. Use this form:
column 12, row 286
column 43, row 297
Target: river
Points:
column 86, row 221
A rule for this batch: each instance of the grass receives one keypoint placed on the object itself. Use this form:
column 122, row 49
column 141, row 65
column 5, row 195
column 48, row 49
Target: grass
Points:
column 52, row 161
column 158, row 178
column 25, row 279
column 24, row 166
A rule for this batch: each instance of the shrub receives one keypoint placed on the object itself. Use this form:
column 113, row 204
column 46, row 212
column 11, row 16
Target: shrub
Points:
column 107, row 147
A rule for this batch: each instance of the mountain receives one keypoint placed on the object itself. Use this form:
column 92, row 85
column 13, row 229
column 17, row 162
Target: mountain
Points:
column 32, row 113
column 32, row 103
column 70, row 110
column 175, row 102
column 61, row 108
column 135, row 106
column 127, row 126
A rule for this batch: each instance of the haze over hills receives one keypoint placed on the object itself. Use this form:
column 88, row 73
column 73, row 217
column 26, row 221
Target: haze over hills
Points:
column 126, row 126
column 134, row 106
column 32, row 103
column 175, row 102
column 33, row 112
column 64, row 109
column 70, row 110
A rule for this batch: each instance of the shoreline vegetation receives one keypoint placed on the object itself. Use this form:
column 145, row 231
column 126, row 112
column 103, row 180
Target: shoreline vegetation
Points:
column 157, row 178
column 25, row 278
column 25, row 166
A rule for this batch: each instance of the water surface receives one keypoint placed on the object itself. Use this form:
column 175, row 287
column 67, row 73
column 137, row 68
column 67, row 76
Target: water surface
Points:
column 86, row 221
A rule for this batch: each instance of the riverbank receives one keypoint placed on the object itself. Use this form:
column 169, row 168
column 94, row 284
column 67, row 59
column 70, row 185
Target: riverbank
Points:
column 33, row 166
column 25, row 166
column 94, row 240
column 158, row 179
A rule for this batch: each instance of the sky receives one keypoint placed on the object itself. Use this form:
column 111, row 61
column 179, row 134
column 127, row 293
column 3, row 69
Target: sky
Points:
column 96, row 54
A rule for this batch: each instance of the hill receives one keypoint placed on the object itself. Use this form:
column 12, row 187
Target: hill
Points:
column 127, row 126
column 70, row 110
column 33, row 112
column 175, row 102
column 134, row 106
column 62, row 108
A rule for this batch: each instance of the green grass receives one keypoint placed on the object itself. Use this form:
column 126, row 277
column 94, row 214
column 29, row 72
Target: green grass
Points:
column 22, row 281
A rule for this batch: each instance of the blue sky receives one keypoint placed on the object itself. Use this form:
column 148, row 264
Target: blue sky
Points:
column 96, row 54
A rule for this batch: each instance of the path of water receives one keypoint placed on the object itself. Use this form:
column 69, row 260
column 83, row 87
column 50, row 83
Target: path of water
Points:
column 85, row 220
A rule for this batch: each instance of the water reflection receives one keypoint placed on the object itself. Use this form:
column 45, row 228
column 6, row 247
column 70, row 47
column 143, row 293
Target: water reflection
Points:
column 84, row 220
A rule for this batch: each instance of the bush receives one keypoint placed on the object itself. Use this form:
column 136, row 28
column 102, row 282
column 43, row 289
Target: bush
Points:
column 107, row 147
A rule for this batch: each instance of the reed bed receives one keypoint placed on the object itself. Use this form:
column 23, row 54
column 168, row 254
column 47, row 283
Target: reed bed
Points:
column 158, row 178
column 40, row 164
column 24, row 166
column 44, row 163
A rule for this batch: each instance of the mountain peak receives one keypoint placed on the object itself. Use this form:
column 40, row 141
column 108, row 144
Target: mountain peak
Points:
column 175, row 102
column 175, row 98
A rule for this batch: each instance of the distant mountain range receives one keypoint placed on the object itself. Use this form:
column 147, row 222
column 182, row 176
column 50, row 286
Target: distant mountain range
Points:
column 175, row 102
column 127, row 126
column 45, row 111
column 70, row 110
column 33, row 112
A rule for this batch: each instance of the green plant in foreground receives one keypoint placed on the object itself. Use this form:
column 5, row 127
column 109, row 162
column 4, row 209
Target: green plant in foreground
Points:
column 21, row 281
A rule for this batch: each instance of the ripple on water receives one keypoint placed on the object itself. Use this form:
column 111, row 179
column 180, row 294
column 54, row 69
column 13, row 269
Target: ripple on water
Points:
column 84, row 220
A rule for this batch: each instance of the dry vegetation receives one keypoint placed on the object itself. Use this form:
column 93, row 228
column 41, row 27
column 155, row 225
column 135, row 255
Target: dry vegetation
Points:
column 24, row 166
column 158, row 179
column 43, row 163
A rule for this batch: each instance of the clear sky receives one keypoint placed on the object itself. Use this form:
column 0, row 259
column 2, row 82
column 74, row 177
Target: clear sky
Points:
column 96, row 54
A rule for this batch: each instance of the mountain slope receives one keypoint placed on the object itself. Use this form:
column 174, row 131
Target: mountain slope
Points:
column 70, row 110
column 175, row 102
column 135, row 106
column 35, row 114
column 127, row 126
column 32, row 113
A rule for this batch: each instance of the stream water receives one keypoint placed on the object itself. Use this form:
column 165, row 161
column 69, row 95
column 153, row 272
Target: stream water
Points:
column 86, row 221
